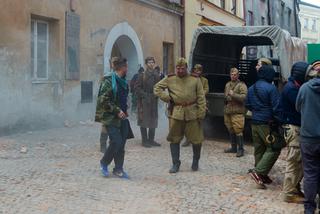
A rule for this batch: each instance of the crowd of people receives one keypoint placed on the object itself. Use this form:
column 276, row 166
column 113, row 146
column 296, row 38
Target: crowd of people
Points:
column 289, row 118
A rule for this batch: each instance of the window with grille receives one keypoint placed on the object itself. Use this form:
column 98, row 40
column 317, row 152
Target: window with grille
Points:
column 39, row 49
column 86, row 91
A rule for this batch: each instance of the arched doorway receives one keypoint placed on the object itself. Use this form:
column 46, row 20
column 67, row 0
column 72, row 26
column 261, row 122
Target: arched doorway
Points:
column 123, row 41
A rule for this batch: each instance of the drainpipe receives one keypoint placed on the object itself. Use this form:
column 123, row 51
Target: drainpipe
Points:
column 245, row 13
column 295, row 6
column 182, row 29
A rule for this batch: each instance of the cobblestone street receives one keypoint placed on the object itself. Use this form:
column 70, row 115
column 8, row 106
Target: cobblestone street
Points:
column 57, row 171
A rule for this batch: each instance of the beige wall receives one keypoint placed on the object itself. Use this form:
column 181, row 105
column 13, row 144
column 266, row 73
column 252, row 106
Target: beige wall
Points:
column 307, row 33
column 196, row 10
column 27, row 101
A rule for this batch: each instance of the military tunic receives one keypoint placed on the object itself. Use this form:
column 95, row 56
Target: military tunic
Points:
column 189, row 106
column 234, row 108
column 205, row 85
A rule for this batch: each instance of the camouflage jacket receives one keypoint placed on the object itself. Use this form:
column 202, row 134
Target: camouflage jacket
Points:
column 108, row 106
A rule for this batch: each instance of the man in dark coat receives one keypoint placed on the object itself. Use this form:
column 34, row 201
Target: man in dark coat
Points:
column 262, row 100
column 147, row 103
column 308, row 104
column 291, row 120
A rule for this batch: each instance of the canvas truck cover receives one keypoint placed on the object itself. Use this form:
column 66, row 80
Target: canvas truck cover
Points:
column 288, row 49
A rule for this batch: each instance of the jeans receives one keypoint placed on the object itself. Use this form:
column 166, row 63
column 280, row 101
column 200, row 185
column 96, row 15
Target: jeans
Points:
column 311, row 169
column 115, row 150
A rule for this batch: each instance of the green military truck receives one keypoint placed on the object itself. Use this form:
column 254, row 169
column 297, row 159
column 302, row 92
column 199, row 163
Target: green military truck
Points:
column 219, row 48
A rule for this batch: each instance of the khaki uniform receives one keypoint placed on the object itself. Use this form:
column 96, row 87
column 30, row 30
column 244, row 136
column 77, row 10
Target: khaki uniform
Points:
column 294, row 172
column 189, row 107
column 205, row 85
column 234, row 108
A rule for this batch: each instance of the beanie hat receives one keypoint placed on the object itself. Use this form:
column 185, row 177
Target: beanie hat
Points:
column 298, row 71
column 266, row 72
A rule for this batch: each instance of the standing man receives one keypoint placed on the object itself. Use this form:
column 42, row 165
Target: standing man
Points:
column 262, row 100
column 104, row 132
column 291, row 120
column 188, row 108
column 133, row 84
column 235, row 93
column 147, row 103
column 113, row 115
column 308, row 104
column 197, row 72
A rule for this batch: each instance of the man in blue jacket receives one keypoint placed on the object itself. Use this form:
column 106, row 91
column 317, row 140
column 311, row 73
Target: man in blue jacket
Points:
column 262, row 100
column 291, row 120
column 308, row 104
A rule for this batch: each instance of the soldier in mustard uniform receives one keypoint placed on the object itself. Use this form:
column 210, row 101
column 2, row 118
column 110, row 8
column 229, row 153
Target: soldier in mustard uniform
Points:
column 187, row 107
column 197, row 71
column 235, row 93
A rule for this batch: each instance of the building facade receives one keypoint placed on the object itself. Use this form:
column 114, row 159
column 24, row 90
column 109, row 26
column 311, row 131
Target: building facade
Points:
column 53, row 53
column 283, row 13
column 210, row 13
column 309, row 16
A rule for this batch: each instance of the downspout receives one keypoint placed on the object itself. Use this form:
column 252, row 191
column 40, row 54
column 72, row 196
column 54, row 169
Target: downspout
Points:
column 245, row 13
column 295, row 5
column 182, row 29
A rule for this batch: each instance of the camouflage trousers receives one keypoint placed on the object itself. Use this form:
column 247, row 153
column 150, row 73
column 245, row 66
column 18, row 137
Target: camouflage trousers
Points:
column 191, row 129
column 294, row 172
column 234, row 123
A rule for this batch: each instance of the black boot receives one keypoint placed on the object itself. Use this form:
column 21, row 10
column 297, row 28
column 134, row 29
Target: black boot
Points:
column 151, row 134
column 240, row 150
column 103, row 142
column 196, row 156
column 175, row 155
column 233, row 142
column 144, row 137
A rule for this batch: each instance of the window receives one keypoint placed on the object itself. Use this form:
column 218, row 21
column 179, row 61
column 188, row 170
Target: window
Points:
column 39, row 49
column 250, row 18
column 306, row 23
column 263, row 20
column 314, row 25
column 234, row 7
column 223, row 4
column 86, row 91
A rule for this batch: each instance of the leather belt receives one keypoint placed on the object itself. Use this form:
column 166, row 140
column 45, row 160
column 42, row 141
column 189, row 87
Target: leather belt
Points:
column 185, row 104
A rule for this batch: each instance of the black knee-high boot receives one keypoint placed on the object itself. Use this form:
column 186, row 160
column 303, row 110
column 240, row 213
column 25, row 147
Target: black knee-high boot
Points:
column 196, row 156
column 175, row 155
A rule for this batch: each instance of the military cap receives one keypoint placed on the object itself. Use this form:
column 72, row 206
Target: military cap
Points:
column 181, row 61
column 198, row 67
column 314, row 70
column 265, row 61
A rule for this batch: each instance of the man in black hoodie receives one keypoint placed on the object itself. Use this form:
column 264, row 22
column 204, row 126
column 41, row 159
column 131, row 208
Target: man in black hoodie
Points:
column 308, row 104
column 291, row 120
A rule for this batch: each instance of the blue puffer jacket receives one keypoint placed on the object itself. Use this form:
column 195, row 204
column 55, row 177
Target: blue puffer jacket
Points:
column 263, row 110
column 289, row 114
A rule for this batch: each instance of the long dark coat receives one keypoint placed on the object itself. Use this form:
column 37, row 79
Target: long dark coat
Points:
column 147, row 101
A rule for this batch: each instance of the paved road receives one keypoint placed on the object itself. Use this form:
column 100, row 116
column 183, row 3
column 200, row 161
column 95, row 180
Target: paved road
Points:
column 59, row 173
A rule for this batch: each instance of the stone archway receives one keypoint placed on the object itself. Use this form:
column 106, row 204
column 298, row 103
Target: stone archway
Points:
column 124, row 40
